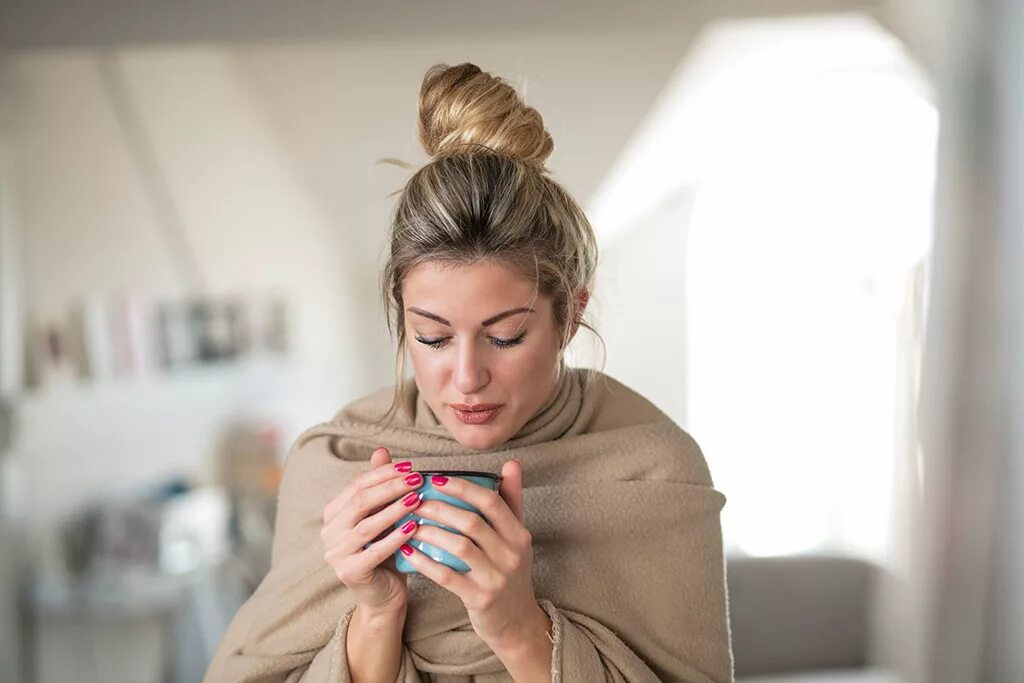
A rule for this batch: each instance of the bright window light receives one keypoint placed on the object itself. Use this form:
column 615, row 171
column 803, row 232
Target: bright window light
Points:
column 812, row 145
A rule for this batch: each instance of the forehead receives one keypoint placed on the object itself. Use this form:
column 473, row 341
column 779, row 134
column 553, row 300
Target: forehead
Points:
column 480, row 287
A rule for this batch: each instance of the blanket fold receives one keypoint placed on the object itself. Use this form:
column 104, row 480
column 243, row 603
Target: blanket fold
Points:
column 628, row 557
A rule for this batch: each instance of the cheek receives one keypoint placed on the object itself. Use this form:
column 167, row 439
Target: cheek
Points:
column 520, row 371
column 425, row 361
column 420, row 360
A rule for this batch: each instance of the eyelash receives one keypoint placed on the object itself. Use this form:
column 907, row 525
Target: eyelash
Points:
column 439, row 343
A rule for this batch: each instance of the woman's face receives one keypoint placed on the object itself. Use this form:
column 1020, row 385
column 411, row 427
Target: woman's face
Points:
column 476, row 336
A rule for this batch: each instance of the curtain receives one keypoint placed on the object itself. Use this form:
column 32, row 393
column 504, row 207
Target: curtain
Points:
column 969, row 572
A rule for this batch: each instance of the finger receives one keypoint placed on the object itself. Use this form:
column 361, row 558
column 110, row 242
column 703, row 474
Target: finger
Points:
column 484, row 570
column 373, row 528
column 442, row 575
column 381, row 456
column 364, row 562
column 362, row 512
column 488, row 501
column 512, row 488
column 472, row 526
column 373, row 476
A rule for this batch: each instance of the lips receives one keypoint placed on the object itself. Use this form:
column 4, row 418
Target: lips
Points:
column 474, row 408
column 479, row 413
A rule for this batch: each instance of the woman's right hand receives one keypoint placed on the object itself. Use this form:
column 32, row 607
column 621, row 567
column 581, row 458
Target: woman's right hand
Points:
column 366, row 511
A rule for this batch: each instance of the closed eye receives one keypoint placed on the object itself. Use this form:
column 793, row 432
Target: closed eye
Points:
column 440, row 342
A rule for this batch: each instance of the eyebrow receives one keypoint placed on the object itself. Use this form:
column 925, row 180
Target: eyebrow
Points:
column 489, row 321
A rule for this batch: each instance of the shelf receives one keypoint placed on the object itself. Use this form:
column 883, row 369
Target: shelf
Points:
column 211, row 380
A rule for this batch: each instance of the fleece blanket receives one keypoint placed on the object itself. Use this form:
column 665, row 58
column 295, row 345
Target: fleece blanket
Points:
column 628, row 555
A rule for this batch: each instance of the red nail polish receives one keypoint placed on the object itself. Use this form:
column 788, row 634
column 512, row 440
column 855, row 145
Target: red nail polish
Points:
column 411, row 499
column 414, row 479
column 404, row 466
column 406, row 550
column 409, row 526
column 438, row 480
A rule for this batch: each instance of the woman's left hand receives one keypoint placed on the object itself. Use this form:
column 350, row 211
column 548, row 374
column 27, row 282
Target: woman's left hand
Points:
column 498, row 591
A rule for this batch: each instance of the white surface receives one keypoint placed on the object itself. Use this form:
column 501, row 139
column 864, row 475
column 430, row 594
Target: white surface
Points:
column 88, row 651
column 866, row 675
column 112, row 438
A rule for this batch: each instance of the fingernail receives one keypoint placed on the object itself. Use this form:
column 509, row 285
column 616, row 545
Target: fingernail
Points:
column 406, row 550
column 414, row 479
column 404, row 466
column 438, row 480
column 409, row 526
column 411, row 499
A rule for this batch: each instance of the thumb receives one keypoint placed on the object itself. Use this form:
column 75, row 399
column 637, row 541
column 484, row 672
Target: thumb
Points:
column 512, row 488
column 381, row 456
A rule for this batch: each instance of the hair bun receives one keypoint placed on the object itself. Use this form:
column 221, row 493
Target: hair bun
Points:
column 462, row 107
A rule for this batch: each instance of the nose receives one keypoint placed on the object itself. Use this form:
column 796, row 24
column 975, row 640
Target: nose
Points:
column 471, row 374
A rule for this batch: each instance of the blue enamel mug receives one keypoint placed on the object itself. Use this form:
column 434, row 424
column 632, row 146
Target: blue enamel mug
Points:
column 427, row 490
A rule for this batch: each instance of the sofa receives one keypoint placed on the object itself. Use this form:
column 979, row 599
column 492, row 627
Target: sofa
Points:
column 802, row 619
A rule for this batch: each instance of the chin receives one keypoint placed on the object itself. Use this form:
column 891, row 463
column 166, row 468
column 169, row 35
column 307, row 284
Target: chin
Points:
column 477, row 438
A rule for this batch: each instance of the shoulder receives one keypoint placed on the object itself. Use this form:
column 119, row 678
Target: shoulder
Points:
column 344, row 436
column 370, row 408
column 366, row 410
column 614, row 404
column 621, row 409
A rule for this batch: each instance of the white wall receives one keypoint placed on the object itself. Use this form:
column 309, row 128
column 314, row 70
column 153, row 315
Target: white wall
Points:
column 266, row 158
column 642, row 297
column 267, row 155
column 90, row 228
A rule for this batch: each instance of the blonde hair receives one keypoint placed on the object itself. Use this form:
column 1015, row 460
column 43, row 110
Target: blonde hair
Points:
column 486, row 195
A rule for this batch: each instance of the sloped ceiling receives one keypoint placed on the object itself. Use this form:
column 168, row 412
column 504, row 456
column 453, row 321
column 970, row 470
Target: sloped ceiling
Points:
column 67, row 23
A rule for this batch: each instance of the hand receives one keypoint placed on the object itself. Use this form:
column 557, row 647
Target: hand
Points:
column 364, row 513
column 498, row 589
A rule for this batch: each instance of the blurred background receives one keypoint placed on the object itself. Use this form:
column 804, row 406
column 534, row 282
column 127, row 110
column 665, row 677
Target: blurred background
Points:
column 810, row 222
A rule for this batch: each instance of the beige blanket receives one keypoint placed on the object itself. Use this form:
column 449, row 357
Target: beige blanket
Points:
column 628, row 558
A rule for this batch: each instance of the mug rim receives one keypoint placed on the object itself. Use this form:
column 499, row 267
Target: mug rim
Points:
column 472, row 473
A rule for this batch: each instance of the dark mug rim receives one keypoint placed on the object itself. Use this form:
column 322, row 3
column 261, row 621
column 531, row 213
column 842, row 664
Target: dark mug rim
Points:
column 472, row 473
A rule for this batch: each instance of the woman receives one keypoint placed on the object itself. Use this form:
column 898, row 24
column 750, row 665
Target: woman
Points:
column 607, row 566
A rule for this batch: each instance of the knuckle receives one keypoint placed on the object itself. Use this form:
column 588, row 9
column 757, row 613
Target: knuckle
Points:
column 516, row 562
column 492, row 584
column 363, row 531
column 475, row 524
column 463, row 545
column 491, row 499
column 347, row 571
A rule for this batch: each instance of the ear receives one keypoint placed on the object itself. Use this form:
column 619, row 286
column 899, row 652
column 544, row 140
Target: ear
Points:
column 581, row 303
